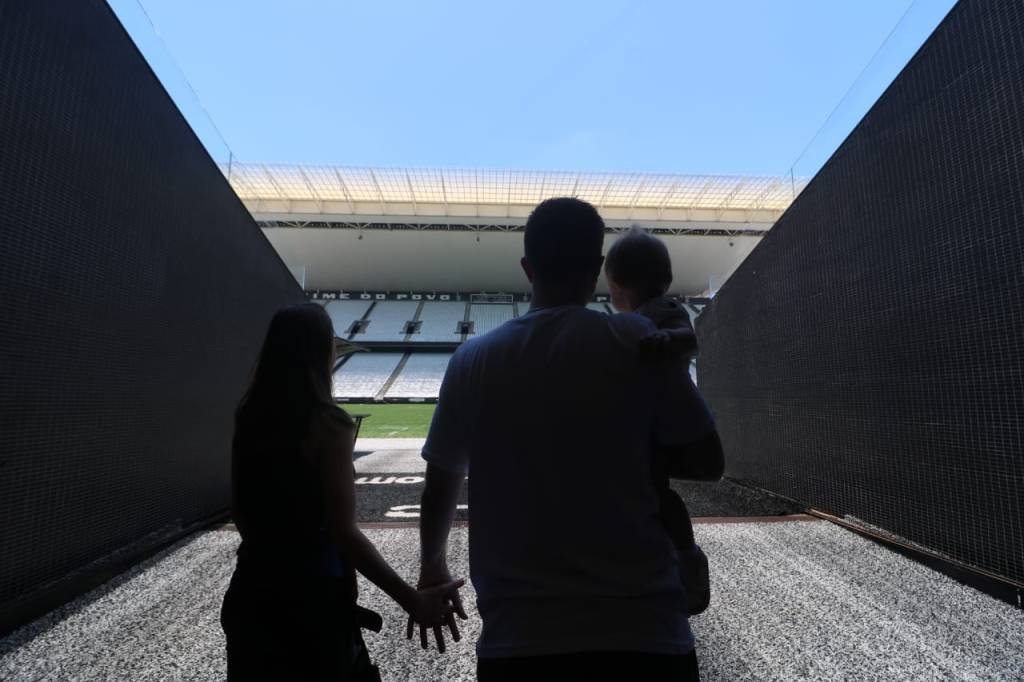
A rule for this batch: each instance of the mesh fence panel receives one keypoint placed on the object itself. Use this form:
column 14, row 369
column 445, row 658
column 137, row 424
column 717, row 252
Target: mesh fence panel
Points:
column 134, row 293
column 868, row 357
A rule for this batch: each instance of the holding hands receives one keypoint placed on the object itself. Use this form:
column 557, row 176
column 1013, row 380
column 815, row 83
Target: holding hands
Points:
column 435, row 605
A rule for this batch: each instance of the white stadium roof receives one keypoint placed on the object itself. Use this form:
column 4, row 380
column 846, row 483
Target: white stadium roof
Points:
column 362, row 191
column 432, row 229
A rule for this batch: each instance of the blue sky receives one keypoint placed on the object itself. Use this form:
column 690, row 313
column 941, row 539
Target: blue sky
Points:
column 724, row 86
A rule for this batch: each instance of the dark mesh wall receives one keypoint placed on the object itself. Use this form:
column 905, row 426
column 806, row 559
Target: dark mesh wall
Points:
column 868, row 357
column 134, row 293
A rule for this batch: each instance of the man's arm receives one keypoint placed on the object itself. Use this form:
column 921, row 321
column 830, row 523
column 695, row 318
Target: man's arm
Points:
column 447, row 461
column 701, row 460
column 437, row 513
column 686, row 440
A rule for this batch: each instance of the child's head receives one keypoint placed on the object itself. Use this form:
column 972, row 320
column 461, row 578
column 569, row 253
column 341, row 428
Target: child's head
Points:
column 638, row 269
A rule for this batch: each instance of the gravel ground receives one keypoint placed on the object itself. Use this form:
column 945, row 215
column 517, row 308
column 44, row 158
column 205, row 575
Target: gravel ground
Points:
column 389, row 476
column 792, row 601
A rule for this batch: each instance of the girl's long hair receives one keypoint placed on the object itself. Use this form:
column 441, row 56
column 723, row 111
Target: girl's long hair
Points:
column 292, row 380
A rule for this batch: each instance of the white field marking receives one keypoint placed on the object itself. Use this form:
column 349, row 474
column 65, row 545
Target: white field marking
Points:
column 388, row 480
column 374, row 444
column 391, row 462
column 411, row 511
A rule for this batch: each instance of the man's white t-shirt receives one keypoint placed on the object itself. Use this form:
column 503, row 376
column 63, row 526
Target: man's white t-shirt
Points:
column 553, row 416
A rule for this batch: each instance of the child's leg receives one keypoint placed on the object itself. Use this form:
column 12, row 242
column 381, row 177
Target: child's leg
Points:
column 676, row 518
column 693, row 565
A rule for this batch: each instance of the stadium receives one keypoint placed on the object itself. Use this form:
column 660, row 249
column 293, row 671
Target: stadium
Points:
column 452, row 240
column 861, row 335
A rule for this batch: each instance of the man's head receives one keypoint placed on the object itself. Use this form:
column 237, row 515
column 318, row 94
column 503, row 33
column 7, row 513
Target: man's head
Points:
column 563, row 243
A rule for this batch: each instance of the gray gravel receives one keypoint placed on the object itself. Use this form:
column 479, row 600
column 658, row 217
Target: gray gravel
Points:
column 792, row 601
column 390, row 485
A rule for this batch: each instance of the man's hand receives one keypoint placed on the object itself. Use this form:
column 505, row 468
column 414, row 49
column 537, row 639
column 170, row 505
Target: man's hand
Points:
column 428, row 582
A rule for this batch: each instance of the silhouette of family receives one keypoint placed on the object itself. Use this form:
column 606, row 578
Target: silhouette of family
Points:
column 562, row 393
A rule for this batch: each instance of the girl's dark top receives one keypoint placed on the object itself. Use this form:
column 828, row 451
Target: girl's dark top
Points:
column 278, row 493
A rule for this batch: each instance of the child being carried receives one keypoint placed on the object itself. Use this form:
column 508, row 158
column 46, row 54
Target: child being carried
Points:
column 639, row 272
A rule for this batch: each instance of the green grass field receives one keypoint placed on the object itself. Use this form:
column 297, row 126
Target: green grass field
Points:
column 393, row 421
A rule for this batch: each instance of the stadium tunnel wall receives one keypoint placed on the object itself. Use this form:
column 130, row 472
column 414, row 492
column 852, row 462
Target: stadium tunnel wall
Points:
column 136, row 290
column 867, row 358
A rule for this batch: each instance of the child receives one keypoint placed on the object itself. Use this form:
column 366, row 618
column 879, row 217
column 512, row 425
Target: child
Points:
column 639, row 272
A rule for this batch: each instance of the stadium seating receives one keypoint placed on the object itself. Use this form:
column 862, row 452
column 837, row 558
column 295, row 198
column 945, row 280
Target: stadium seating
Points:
column 387, row 321
column 364, row 374
column 487, row 316
column 437, row 320
column 421, row 377
column 440, row 319
column 344, row 313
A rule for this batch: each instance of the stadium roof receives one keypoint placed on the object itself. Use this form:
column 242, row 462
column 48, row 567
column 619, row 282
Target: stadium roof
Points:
column 274, row 188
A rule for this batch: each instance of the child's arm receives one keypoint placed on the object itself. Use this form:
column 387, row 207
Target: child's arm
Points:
column 674, row 341
column 675, row 335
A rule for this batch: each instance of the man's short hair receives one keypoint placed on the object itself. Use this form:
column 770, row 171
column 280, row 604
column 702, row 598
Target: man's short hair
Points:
column 639, row 261
column 563, row 241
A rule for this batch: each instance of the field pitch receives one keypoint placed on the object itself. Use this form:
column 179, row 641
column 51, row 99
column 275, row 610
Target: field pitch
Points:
column 393, row 420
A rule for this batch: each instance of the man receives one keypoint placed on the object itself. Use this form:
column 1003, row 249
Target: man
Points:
column 555, row 416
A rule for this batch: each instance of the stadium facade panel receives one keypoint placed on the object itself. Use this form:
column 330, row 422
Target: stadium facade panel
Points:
column 867, row 358
column 136, row 293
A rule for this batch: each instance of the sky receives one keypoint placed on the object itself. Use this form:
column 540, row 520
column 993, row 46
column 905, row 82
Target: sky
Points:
column 735, row 87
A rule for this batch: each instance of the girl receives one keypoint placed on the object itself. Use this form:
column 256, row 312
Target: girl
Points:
column 290, row 611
